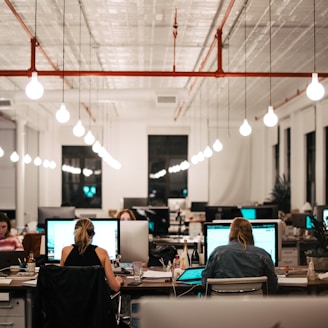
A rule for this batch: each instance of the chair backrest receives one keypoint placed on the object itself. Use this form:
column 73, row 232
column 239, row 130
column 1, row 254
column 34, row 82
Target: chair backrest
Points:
column 72, row 297
column 253, row 286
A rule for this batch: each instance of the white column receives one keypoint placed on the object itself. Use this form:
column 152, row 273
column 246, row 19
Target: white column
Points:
column 20, row 174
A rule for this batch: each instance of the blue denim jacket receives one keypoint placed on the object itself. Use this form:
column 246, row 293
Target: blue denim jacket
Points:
column 231, row 261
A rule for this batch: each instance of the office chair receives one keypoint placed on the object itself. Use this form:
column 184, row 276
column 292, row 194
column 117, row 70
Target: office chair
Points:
column 73, row 297
column 250, row 286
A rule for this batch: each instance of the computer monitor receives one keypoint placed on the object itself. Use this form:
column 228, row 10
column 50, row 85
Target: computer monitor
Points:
column 176, row 204
column 299, row 220
column 259, row 212
column 158, row 218
column 309, row 225
column 267, row 235
column 129, row 202
column 221, row 213
column 60, row 233
column 51, row 212
column 10, row 213
column 134, row 241
column 198, row 206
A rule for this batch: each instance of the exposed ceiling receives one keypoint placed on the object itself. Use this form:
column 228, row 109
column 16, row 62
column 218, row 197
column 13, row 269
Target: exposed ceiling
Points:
column 143, row 59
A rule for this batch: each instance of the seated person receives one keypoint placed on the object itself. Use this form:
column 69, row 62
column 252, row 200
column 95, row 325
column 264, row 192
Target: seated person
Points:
column 240, row 258
column 126, row 215
column 8, row 242
column 83, row 253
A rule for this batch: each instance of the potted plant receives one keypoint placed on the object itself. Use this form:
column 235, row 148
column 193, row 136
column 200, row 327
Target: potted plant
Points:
column 319, row 254
column 280, row 193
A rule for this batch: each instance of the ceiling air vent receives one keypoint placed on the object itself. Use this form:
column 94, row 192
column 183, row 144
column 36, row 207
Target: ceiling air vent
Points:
column 5, row 104
column 166, row 100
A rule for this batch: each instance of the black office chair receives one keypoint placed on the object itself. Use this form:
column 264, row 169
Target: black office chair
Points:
column 69, row 297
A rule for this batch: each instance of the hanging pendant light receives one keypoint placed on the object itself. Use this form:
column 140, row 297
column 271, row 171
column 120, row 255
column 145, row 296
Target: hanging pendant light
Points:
column 89, row 138
column 14, row 157
column 2, row 152
column 78, row 129
column 315, row 90
column 217, row 145
column 27, row 159
column 34, row 89
column 245, row 129
column 37, row 161
column 62, row 114
column 270, row 119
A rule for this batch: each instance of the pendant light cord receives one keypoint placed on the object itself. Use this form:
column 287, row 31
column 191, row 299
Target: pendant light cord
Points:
column 314, row 40
column 64, row 8
column 270, row 47
column 245, row 64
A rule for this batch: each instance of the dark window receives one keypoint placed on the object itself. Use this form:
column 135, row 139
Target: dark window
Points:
column 310, row 167
column 80, row 189
column 165, row 152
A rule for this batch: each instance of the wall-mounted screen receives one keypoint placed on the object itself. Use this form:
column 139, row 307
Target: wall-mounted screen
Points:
column 60, row 233
column 267, row 235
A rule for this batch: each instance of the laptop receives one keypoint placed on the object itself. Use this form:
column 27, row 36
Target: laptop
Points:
column 8, row 258
column 191, row 276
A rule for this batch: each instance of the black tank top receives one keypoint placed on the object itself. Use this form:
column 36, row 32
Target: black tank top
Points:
column 89, row 258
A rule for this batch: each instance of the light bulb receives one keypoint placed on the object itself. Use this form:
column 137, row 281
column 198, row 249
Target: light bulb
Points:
column 270, row 119
column 208, row 152
column 217, row 146
column 96, row 147
column 245, row 129
column 194, row 159
column 27, row 159
column 37, row 161
column 200, row 156
column 62, row 114
column 34, row 89
column 315, row 90
column 1, row 152
column 46, row 163
column 14, row 157
column 78, row 129
column 52, row 165
column 89, row 138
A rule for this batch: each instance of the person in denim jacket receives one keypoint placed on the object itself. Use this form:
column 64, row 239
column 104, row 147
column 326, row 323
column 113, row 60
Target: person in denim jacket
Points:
column 240, row 258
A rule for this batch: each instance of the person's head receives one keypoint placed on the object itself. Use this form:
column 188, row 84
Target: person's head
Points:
column 5, row 225
column 126, row 215
column 83, row 233
column 241, row 231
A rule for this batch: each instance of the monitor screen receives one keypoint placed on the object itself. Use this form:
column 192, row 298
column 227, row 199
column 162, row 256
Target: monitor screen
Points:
column 198, row 206
column 308, row 222
column 248, row 213
column 129, row 202
column 10, row 213
column 134, row 241
column 51, row 212
column 267, row 235
column 60, row 233
column 158, row 218
column 325, row 217
column 221, row 213
column 259, row 212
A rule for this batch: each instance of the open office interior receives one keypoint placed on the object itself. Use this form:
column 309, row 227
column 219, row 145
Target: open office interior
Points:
column 213, row 64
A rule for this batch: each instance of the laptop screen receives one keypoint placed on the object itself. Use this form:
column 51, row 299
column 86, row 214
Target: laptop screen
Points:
column 191, row 275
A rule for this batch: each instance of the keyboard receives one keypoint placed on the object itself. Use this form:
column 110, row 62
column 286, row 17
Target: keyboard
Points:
column 120, row 270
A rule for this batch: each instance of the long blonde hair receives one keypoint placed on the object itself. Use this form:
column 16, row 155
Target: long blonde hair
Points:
column 84, row 230
column 241, row 231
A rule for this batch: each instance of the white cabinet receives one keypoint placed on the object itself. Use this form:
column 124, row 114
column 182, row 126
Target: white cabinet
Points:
column 12, row 313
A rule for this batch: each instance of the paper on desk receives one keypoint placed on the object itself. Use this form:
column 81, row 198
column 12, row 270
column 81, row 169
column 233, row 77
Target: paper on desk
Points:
column 153, row 274
column 323, row 276
column 5, row 281
column 31, row 283
column 290, row 281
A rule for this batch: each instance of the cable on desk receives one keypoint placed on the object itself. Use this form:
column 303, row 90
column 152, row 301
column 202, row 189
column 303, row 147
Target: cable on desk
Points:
column 184, row 293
